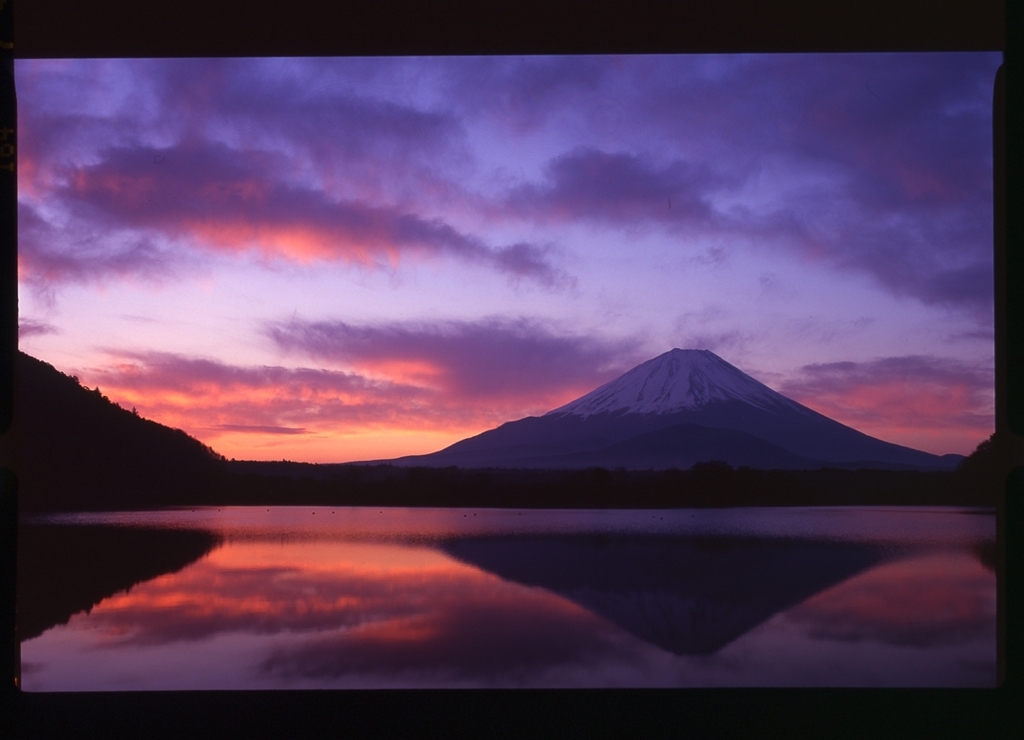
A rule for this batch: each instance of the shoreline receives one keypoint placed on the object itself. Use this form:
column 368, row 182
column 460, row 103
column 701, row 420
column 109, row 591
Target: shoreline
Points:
column 709, row 485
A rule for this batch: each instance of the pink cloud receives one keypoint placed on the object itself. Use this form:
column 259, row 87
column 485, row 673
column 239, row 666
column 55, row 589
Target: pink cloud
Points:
column 425, row 386
column 620, row 187
column 207, row 395
column 498, row 361
column 210, row 196
column 47, row 256
column 926, row 402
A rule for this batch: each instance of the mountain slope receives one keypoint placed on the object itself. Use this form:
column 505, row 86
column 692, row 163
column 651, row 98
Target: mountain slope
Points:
column 682, row 446
column 78, row 450
column 681, row 390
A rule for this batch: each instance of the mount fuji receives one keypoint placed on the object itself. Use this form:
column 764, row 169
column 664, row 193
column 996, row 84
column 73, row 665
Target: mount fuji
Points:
column 681, row 408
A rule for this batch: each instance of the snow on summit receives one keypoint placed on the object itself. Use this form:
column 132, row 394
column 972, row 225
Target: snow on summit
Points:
column 677, row 380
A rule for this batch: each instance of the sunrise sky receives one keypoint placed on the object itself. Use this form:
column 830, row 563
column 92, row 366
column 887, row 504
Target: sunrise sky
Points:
column 346, row 259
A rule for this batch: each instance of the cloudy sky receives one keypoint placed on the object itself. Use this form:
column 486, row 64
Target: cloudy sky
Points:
column 346, row 259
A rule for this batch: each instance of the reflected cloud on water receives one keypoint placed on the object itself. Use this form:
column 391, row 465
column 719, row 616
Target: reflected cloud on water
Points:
column 938, row 598
column 580, row 609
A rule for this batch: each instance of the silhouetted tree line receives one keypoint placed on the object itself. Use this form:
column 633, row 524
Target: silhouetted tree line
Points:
column 705, row 485
column 77, row 451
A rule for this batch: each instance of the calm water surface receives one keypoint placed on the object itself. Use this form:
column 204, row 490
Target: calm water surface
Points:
column 293, row 597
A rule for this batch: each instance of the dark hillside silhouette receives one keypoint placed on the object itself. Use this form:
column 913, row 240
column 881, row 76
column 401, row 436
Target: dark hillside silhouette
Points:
column 76, row 449
column 986, row 468
column 63, row 570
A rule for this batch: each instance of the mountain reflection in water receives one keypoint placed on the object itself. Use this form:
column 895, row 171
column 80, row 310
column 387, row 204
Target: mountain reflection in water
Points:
column 66, row 570
column 690, row 596
column 300, row 598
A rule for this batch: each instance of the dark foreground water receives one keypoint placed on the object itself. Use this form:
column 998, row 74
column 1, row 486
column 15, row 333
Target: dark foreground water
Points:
column 361, row 598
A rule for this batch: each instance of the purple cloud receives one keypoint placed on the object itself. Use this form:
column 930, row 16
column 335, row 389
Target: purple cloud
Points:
column 901, row 394
column 206, row 395
column 312, row 104
column 525, row 93
column 618, row 187
column 898, row 147
column 885, row 160
column 293, row 157
column 212, row 196
column 47, row 256
column 33, row 328
column 911, row 368
column 875, row 163
column 498, row 359
column 312, row 110
column 939, row 252
column 522, row 260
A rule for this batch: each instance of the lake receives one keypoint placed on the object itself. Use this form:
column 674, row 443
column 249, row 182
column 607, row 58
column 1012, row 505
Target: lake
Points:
column 315, row 598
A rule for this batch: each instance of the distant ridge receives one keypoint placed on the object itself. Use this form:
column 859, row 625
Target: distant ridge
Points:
column 682, row 407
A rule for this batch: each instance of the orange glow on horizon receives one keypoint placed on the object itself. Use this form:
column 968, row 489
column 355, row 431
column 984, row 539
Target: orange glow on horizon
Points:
column 358, row 424
column 318, row 442
column 372, row 444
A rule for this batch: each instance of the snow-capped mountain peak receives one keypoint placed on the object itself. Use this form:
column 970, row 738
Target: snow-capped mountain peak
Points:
column 684, row 407
column 677, row 380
